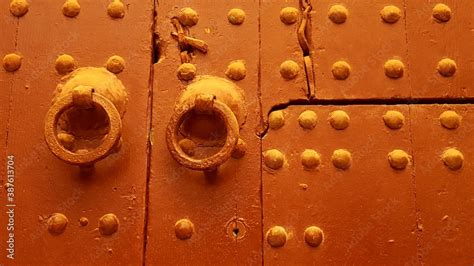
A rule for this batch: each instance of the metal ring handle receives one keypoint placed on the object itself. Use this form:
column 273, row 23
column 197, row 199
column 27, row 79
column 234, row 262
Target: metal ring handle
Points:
column 112, row 138
column 232, row 128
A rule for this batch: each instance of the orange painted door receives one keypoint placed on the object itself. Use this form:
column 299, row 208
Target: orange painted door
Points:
column 6, row 84
column 198, row 217
column 53, row 199
column 252, row 132
column 369, row 167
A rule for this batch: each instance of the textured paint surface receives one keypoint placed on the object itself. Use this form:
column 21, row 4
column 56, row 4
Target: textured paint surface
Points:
column 211, row 203
column 365, row 210
column 7, row 46
column 430, row 41
column 445, row 199
column 46, row 185
column 316, row 188
column 365, row 42
column 416, row 39
column 279, row 43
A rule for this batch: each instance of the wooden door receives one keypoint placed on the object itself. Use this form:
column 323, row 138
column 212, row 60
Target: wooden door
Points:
column 250, row 132
column 46, row 186
column 222, row 206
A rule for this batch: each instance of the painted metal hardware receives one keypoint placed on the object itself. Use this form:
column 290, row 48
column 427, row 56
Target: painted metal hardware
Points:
column 87, row 109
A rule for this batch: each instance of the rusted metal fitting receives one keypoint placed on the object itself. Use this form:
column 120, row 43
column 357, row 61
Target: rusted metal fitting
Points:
column 88, row 97
column 186, row 43
column 204, row 103
column 210, row 96
column 304, row 38
column 82, row 97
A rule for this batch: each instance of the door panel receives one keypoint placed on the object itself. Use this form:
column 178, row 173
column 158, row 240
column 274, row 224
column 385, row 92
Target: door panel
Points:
column 444, row 196
column 224, row 207
column 7, row 45
column 46, row 185
column 430, row 41
column 330, row 158
column 279, row 44
column 365, row 210
column 365, row 43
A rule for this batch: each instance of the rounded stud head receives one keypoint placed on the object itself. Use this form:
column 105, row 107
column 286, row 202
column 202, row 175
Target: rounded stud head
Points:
column 116, row 9
column 453, row 159
column 313, row 236
column 188, row 17
column 71, row 8
column 19, row 8
column 276, row 236
column 446, row 67
column 65, row 64
column 236, row 70
column 83, row 221
column 450, row 119
column 310, row 159
column 276, row 119
column 186, row 71
column 390, row 14
column 394, row 119
column 188, row 146
column 240, row 149
column 184, row 229
column 289, row 15
column 338, row 14
column 308, row 119
column 12, row 62
column 115, row 64
column 441, row 13
column 289, row 69
column 273, row 159
column 57, row 223
column 108, row 224
column 341, row 70
column 394, row 68
column 398, row 159
column 341, row 159
column 236, row 16
column 339, row 119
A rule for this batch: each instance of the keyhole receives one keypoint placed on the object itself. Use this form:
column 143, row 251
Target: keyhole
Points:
column 235, row 232
column 236, row 229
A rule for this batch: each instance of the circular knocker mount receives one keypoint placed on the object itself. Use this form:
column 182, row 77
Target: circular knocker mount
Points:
column 84, row 124
column 204, row 103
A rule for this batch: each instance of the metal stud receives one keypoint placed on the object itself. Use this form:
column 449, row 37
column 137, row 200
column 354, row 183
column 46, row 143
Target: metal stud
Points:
column 398, row 159
column 441, row 13
column 108, row 224
column 313, row 236
column 273, row 159
column 338, row 14
column 57, row 223
column 390, row 14
column 394, row 119
column 276, row 236
column 450, row 119
column 184, row 229
column 341, row 159
column 453, row 159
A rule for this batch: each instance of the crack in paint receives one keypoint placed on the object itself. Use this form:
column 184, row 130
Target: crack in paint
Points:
column 417, row 211
column 373, row 101
column 415, row 201
column 153, row 56
column 10, row 101
column 261, row 127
